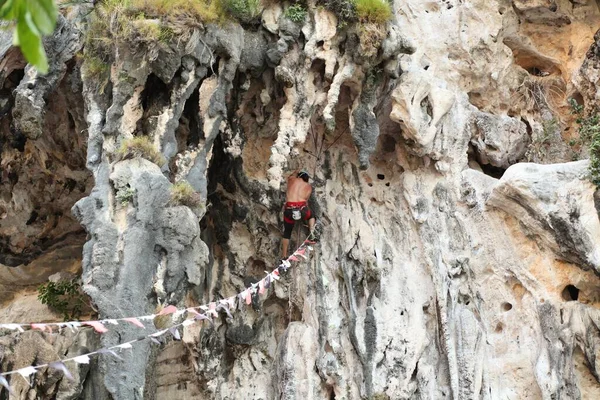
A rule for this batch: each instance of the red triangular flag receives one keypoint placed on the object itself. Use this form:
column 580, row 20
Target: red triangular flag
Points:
column 41, row 327
column 248, row 297
column 98, row 327
column 134, row 321
column 168, row 310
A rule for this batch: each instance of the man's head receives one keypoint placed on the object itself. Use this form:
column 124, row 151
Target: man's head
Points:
column 304, row 175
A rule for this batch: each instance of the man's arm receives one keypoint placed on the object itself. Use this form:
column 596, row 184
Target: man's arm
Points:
column 294, row 174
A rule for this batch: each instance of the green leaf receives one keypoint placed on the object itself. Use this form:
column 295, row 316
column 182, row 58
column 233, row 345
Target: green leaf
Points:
column 31, row 43
column 7, row 9
column 43, row 14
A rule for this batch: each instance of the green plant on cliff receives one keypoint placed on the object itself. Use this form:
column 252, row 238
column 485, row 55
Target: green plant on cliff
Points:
column 243, row 10
column 183, row 194
column 141, row 146
column 125, row 195
column 345, row 10
column 589, row 135
column 373, row 11
column 64, row 297
column 296, row 13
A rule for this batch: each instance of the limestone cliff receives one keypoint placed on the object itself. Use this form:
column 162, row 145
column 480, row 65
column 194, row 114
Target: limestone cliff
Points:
column 459, row 254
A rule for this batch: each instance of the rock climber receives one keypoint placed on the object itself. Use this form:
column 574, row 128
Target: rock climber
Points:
column 296, row 207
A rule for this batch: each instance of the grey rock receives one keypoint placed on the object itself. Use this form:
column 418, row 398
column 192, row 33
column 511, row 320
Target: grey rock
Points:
column 498, row 140
column 28, row 111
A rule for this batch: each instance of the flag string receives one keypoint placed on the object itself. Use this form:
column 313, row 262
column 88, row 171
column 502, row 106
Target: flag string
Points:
column 207, row 312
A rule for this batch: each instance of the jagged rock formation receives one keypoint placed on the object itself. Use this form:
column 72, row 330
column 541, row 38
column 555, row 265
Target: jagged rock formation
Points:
column 449, row 266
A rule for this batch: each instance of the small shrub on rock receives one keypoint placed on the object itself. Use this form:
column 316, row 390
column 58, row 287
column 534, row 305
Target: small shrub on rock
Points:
column 589, row 134
column 183, row 194
column 125, row 195
column 64, row 297
column 373, row 11
column 295, row 13
column 140, row 146
column 244, row 11
column 345, row 10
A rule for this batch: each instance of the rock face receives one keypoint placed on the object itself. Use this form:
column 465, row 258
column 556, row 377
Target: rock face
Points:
column 459, row 254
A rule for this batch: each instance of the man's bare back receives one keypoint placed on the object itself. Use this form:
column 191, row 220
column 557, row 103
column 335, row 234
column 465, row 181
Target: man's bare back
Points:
column 297, row 189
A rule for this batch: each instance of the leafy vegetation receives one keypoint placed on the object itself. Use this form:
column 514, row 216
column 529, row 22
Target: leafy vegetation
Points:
column 125, row 195
column 64, row 297
column 140, row 146
column 182, row 193
column 296, row 13
column 345, row 10
column 589, row 135
column 373, row 11
column 34, row 19
column 243, row 10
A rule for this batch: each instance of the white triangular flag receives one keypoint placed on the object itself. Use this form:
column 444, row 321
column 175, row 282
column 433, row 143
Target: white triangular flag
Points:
column 111, row 321
column 83, row 359
column 12, row 327
column 4, row 382
column 159, row 333
column 25, row 372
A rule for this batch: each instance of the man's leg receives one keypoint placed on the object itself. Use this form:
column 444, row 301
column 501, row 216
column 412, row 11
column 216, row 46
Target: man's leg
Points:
column 287, row 234
column 286, row 243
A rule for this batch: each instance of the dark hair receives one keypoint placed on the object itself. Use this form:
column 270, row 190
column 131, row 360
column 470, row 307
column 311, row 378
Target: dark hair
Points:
column 303, row 175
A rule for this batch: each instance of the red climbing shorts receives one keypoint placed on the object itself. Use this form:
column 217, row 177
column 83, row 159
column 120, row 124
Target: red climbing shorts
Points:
column 294, row 211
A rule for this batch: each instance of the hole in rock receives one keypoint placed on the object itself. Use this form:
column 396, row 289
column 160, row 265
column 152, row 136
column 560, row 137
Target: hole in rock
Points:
column 578, row 98
column 32, row 218
column 427, row 107
column 499, row 327
column 380, row 177
column 13, row 79
column 570, row 293
column 492, row 171
column 531, row 60
column 507, row 306
column 387, row 184
column 190, row 119
column 370, row 185
column 155, row 91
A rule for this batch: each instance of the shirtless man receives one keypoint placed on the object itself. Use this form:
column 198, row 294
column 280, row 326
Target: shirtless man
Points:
column 296, row 206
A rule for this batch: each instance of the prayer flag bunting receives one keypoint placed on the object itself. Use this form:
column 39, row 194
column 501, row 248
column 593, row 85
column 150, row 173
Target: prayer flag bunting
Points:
column 211, row 310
